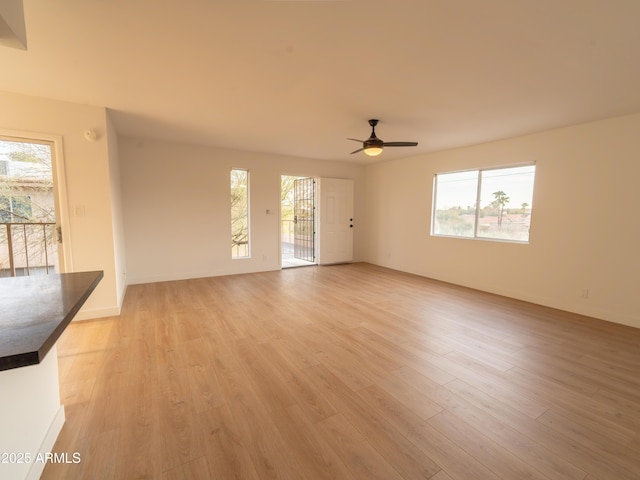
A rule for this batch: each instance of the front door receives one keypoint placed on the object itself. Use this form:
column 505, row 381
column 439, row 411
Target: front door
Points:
column 336, row 221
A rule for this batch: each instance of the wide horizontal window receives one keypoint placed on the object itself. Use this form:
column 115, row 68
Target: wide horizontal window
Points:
column 491, row 203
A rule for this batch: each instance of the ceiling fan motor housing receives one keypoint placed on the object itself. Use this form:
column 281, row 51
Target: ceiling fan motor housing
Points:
column 373, row 141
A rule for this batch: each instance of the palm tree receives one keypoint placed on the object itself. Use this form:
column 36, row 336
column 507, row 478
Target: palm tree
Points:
column 501, row 199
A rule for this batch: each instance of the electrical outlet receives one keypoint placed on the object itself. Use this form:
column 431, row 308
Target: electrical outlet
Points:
column 584, row 293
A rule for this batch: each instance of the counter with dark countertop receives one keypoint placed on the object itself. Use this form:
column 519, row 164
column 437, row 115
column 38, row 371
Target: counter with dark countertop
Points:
column 34, row 311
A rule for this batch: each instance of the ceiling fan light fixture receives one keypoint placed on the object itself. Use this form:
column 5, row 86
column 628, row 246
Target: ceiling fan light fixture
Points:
column 373, row 151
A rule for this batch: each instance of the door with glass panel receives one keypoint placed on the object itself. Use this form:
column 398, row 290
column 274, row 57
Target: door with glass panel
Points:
column 29, row 225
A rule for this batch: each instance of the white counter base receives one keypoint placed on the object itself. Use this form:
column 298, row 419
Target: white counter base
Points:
column 31, row 417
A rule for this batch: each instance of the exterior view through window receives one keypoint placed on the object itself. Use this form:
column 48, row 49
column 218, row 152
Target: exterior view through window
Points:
column 488, row 203
column 239, row 214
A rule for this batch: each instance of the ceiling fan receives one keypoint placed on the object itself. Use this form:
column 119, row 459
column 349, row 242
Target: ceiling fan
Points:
column 373, row 146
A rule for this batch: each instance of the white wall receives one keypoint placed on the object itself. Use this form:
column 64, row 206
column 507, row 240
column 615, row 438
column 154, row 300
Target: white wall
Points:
column 177, row 214
column 116, row 212
column 88, row 185
column 585, row 231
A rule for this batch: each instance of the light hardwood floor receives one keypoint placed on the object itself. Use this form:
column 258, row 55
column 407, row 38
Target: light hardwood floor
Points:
column 350, row 371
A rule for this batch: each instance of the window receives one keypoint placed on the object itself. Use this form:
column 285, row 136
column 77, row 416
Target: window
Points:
column 239, row 214
column 488, row 203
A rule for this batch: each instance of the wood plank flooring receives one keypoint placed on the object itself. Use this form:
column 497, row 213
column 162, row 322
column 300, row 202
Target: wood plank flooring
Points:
column 349, row 371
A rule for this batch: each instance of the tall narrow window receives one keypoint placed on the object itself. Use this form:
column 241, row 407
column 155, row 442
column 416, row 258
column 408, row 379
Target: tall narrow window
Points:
column 239, row 213
column 489, row 203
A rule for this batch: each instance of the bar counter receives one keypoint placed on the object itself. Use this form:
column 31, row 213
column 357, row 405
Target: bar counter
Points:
column 34, row 311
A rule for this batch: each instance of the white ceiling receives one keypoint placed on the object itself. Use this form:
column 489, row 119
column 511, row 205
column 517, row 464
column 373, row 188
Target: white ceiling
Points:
column 298, row 77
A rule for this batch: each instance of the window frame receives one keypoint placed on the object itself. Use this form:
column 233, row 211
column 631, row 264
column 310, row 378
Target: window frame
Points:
column 478, row 196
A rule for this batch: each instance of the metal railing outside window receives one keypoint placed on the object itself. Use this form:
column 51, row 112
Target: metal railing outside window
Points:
column 28, row 249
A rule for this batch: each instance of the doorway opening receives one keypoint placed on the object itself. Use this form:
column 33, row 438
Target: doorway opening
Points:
column 29, row 226
column 297, row 221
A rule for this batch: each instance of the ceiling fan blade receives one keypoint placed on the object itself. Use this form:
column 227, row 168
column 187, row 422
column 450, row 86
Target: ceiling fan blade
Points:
column 356, row 140
column 400, row 144
column 356, row 151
